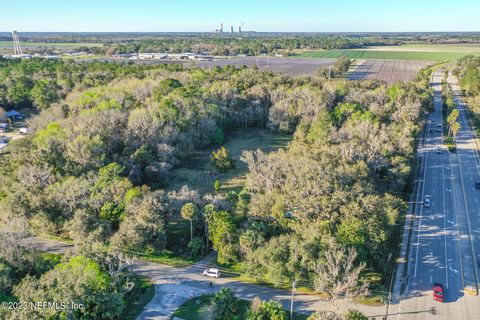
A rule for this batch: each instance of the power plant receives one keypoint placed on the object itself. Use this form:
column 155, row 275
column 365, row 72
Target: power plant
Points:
column 232, row 30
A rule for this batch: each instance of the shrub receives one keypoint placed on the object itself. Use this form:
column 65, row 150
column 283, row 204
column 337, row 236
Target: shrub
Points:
column 221, row 159
column 196, row 246
column 266, row 310
column 353, row 314
column 224, row 304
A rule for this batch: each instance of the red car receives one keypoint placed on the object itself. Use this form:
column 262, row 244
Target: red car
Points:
column 438, row 292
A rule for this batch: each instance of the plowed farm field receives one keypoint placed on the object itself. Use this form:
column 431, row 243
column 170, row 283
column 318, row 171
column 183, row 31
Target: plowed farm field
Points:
column 287, row 66
column 390, row 71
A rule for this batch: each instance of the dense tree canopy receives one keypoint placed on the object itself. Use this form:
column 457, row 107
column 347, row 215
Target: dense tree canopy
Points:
column 101, row 154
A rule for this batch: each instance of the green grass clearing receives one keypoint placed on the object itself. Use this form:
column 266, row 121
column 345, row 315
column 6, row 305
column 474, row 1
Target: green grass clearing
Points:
column 374, row 54
column 171, row 259
column 195, row 171
column 196, row 308
column 178, row 234
column 167, row 257
column 425, row 47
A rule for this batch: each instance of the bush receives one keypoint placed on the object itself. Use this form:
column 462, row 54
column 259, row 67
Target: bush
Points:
column 224, row 304
column 266, row 310
column 353, row 314
column 324, row 315
column 221, row 159
column 342, row 65
column 216, row 185
column 196, row 246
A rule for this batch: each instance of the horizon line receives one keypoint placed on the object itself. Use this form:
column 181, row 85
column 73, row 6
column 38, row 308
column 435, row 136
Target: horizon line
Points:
column 249, row 31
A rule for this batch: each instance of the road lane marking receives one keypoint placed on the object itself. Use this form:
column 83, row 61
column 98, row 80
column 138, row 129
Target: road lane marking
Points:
column 419, row 154
column 425, row 156
column 475, row 270
column 453, row 270
column 445, row 227
column 452, row 177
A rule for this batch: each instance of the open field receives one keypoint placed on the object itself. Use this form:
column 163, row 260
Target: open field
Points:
column 385, row 54
column 390, row 71
column 198, row 173
column 422, row 47
column 287, row 66
column 6, row 47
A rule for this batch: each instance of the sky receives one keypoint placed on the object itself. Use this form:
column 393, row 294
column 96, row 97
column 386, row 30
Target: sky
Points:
column 255, row 15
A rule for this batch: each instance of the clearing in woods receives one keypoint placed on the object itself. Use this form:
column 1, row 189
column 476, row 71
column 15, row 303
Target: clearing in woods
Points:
column 198, row 173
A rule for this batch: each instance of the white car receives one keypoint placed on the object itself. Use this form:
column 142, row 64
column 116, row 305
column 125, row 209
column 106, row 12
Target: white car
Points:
column 22, row 131
column 212, row 272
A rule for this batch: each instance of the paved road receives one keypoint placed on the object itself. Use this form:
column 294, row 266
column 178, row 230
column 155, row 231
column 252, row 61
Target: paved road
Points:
column 173, row 286
column 443, row 244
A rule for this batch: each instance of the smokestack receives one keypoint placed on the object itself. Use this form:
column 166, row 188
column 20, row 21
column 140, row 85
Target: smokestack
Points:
column 221, row 27
column 231, row 29
column 239, row 29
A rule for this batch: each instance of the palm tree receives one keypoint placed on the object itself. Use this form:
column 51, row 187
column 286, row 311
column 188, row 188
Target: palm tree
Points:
column 455, row 128
column 189, row 212
column 452, row 119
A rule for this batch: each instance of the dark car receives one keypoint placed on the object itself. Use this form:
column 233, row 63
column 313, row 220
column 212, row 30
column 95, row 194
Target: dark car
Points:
column 438, row 292
column 427, row 203
column 477, row 185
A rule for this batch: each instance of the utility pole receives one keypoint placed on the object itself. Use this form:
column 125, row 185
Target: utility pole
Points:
column 294, row 283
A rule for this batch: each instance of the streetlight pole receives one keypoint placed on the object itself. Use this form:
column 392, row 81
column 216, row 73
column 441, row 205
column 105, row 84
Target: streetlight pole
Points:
column 291, row 302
